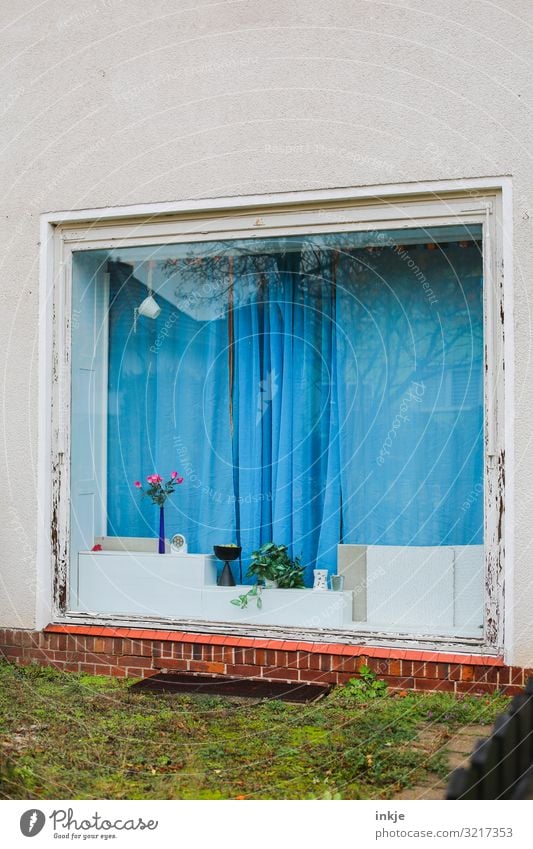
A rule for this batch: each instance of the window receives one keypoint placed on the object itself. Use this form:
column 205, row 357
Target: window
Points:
column 320, row 385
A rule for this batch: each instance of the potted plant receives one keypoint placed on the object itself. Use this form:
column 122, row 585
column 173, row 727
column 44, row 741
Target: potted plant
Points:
column 273, row 565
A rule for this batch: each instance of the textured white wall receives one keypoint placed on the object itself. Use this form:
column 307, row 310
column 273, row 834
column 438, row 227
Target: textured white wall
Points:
column 112, row 102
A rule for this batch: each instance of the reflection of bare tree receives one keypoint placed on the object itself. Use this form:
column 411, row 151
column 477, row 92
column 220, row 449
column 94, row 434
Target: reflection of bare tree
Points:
column 243, row 267
column 209, row 281
column 405, row 334
column 375, row 293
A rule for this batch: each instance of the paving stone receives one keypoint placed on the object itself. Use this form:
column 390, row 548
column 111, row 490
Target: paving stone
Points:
column 431, row 793
column 463, row 742
column 457, row 749
column 456, row 759
column 461, row 748
column 473, row 731
column 429, row 789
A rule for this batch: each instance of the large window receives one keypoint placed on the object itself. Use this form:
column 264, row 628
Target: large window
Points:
column 321, row 390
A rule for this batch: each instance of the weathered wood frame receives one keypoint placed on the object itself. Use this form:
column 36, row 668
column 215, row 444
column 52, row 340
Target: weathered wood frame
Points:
column 335, row 211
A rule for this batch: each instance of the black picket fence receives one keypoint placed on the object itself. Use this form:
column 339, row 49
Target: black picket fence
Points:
column 501, row 766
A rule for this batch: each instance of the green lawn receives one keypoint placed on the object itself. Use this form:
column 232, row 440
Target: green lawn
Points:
column 73, row 736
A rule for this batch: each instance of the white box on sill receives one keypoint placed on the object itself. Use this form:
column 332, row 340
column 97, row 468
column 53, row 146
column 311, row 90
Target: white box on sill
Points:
column 166, row 585
column 304, row 608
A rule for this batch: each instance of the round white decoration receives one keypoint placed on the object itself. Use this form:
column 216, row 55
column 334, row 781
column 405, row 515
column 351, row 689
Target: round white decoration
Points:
column 178, row 544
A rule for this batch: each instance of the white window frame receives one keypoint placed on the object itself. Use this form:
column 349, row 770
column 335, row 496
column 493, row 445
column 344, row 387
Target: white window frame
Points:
column 385, row 207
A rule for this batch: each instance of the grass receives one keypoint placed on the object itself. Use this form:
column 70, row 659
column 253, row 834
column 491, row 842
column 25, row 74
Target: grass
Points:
column 68, row 736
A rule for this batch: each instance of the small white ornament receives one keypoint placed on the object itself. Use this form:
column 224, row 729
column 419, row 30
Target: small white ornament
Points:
column 178, row 544
column 320, row 579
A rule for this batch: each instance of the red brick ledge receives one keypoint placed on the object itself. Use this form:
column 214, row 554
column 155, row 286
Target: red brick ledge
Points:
column 281, row 645
column 139, row 653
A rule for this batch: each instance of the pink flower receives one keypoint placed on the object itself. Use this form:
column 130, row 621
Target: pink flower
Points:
column 179, row 480
column 137, row 484
column 150, row 478
column 173, row 475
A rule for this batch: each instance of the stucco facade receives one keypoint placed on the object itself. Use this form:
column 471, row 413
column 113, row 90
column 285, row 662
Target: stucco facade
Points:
column 109, row 104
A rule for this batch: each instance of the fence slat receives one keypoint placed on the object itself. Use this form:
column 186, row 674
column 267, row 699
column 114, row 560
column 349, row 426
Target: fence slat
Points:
column 458, row 784
column 518, row 710
column 478, row 764
column 488, row 757
column 528, row 720
column 506, row 735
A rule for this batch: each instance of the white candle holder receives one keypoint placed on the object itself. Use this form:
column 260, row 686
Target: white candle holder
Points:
column 320, row 579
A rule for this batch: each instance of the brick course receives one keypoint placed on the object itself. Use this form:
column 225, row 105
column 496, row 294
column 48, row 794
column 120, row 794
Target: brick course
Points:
column 139, row 653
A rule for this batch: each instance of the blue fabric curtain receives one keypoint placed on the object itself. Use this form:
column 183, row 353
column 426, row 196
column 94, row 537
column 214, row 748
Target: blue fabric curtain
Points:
column 168, row 390
column 132, row 406
column 411, row 405
column 310, row 392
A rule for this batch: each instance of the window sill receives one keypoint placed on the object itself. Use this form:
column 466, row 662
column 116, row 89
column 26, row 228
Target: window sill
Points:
column 384, row 642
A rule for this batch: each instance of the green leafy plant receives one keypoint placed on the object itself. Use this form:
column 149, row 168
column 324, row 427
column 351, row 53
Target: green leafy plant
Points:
column 367, row 686
column 242, row 600
column 273, row 563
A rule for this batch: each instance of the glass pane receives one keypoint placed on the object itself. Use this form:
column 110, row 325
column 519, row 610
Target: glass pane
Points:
column 314, row 391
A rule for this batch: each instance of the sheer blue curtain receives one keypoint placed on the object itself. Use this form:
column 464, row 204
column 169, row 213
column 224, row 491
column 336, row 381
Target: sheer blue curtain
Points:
column 286, row 466
column 324, row 391
column 168, row 389
column 411, row 405
column 132, row 406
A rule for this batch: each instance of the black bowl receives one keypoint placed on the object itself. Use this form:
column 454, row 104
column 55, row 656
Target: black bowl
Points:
column 227, row 552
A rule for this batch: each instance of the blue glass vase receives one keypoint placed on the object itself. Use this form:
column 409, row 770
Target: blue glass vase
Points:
column 161, row 530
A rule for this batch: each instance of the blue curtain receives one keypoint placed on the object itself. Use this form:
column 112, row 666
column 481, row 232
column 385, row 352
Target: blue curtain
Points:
column 284, row 440
column 168, row 389
column 411, row 405
column 310, row 392
column 132, row 406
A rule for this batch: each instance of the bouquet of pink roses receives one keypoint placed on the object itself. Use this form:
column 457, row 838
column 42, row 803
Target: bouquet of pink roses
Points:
column 159, row 491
